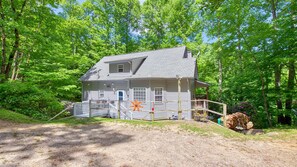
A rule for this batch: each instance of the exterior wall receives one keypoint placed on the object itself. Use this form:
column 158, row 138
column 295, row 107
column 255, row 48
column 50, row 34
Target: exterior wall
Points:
column 170, row 94
column 158, row 84
column 140, row 83
column 113, row 68
column 92, row 90
column 136, row 64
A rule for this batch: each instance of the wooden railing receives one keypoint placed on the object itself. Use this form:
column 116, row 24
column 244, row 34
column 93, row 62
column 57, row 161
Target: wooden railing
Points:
column 119, row 107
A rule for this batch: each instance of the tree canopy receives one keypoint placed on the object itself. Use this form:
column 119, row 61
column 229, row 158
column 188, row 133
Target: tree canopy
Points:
column 246, row 49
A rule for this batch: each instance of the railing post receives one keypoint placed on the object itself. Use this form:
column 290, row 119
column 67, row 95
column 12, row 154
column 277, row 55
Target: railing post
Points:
column 225, row 113
column 74, row 109
column 204, row 104
column 179, row 99
column 90, row 109
column 152, row 115
column 119, row 110
column 152, row 112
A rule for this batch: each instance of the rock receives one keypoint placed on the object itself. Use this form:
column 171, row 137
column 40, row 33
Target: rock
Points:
column 249, row 125
column 253, row 132
column 272, row 134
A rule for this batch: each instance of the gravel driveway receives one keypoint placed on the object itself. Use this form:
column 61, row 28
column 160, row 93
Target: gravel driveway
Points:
column 118, row 144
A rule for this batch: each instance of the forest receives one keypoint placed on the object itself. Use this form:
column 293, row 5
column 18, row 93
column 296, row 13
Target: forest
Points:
column 246, row 49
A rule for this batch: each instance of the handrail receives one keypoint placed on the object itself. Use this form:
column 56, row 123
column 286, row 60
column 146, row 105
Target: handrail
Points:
column 167, row 101
column 124, row 107
column 121, row 107
column 112, row 106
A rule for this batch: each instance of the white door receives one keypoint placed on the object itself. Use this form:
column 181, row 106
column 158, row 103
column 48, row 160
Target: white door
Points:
column 121, row 96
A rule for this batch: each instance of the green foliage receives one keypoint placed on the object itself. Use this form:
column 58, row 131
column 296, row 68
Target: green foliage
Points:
column 29, row 100
column 281, row 132
column 239, row 44
column 244, row 107
column 11, row 116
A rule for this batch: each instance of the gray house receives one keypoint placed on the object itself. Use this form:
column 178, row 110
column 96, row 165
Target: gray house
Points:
column 150, row 77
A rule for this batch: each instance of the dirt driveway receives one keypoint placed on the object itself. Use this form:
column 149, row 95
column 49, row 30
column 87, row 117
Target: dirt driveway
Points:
column 117, row 144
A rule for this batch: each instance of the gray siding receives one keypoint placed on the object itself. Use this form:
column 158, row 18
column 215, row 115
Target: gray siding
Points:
column 136, row 64
column 113, row 68
column 92, row 90
column 158, row 84
column 141, row 83
column 170, row 93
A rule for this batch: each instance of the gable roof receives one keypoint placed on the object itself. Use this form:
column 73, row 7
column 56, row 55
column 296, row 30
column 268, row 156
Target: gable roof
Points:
column 163, row 63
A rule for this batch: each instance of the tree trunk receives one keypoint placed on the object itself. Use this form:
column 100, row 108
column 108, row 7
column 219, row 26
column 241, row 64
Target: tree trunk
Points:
column 14, row 65
column 291, row 64
column 220, row 82
column 15, row 69
column 264, row 97
column 268, row 115
column 220, row 79
column 17, row 36
column 290, row 87
column 12, row 53
column 278, row 66
column 277, row 84
column 3, row 40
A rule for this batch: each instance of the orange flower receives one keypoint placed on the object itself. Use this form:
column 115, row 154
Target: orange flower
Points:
column 136, row 105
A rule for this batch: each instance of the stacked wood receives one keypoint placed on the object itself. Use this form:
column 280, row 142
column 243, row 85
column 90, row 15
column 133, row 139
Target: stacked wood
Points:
column 238, row 119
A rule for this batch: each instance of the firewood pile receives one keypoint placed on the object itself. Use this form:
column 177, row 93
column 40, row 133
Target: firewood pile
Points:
column 237, row 121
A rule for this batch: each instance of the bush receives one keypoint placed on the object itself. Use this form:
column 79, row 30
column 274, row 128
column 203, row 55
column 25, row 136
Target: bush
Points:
column 257, row 116
column 29, row 100
column 244, row 107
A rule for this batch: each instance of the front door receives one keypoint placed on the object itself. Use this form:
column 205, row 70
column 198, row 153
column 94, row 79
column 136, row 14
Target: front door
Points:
column 121, row 95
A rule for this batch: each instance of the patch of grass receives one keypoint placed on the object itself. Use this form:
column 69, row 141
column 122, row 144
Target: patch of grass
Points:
column 79, row 121
column 278, row 133
column 20, row 118
column 211, row 130
column 84, row 121
column 146, row 123
column 11, row 116
column 282, row 133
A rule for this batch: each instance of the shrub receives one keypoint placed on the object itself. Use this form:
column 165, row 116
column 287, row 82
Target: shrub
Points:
column 257, row 116
column 244, row 107
column 29, row 100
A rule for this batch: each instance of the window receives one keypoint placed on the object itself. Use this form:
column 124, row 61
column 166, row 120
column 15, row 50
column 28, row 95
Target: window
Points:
column 139, row 94
column 158, row 95
column 120, row 67
column 101, row 93
column 120, row 95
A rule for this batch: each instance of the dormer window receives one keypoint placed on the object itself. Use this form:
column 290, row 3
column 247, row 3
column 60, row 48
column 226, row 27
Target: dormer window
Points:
column 120, row 67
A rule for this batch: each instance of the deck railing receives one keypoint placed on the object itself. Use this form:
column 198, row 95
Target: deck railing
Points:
column 153, row 110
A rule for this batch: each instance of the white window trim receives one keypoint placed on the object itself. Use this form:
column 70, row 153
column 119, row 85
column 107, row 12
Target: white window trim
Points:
column 101, row 92
column 145, row 93
column 119, row 68
column 159, row 95
column 124, row 94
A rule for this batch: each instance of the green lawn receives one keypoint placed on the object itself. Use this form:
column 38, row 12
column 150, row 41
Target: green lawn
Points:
column 16, row 117
column 19, row 118
column 284, row 133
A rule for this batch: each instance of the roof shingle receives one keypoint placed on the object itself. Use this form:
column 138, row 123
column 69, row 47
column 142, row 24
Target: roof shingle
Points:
column 163, row 63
